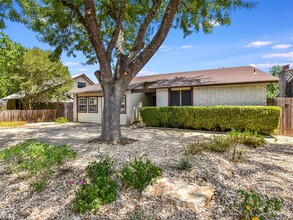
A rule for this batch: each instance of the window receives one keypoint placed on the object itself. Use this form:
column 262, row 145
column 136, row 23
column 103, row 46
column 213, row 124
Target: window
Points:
column 81, row 84
column 123, row 105
column 93, row 104
column 179, row 97
column 81, row 104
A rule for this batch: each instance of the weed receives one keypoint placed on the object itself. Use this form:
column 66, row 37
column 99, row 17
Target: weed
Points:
column 248, row 138
column 61, row 120
column 12, row 124
column 139, row 173
column 253, row 205
column 183, row 164
column 38, row 185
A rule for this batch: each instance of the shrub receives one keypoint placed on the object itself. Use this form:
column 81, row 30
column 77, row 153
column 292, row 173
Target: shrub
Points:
column 183, row 164
column 98, row 188
column 35, row 157
column 61, row 120
column 12, row 124
column 248, row 138
column 253, row 205
column 262, row 119
column 139, row 173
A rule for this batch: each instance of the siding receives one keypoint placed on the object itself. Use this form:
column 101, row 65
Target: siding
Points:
column 80, row 79
column 162, row 97
column 138, row 100
column 245, row 94
column 92, row 117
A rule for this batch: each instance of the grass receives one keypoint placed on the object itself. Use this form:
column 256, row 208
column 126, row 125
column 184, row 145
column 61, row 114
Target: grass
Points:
column 12, row 124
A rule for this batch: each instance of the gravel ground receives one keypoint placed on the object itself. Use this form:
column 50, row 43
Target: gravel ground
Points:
column 268, row 170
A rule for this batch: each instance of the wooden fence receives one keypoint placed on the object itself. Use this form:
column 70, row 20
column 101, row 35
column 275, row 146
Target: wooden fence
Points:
column 286, row 122
column 28, row 115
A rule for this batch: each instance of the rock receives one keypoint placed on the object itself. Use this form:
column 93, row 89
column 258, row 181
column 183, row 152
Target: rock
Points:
column 180, row 193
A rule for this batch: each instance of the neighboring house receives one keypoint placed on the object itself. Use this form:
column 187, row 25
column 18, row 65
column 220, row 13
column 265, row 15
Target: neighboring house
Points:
column 224, row 86
column 14, row 100
column 286, row 82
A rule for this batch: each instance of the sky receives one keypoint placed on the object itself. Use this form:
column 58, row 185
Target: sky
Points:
column 259, row 37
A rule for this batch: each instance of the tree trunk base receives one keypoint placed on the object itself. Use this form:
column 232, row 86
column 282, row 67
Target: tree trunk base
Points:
column 121, row 141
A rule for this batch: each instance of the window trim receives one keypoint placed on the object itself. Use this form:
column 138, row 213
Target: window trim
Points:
column 82, row 83
column 88, row 104
column 123, row 112
column 180, row 89
column 78, row 110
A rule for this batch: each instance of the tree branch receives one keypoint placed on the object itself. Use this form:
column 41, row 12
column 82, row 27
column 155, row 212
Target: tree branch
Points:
column 138, row 63
column 75, row 10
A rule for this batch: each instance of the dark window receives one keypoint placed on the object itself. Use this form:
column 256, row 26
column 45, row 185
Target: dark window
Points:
column 123, row 105
column 180, row 97
column 81, row 84
column 81, row 104
column 175, row 98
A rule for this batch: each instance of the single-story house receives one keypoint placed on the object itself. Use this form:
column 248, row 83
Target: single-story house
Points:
column 14, row 101
column 225, row 86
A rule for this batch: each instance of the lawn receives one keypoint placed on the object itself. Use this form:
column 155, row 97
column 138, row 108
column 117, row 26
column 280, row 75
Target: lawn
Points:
column 268, row 170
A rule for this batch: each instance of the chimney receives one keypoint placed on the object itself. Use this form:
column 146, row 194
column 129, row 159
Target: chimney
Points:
column 286, row 67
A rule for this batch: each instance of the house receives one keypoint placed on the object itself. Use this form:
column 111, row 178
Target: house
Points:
column 286, row 82
column 14, row 100
column 225, row 86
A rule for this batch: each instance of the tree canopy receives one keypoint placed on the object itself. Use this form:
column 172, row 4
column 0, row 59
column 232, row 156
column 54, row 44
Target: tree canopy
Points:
column 120, row 35
column 273, row 88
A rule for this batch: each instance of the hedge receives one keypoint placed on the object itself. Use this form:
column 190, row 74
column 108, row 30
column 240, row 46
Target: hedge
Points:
column 262, row 119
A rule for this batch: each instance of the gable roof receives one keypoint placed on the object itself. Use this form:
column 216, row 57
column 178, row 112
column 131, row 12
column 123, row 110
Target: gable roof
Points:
column 84, row 76
column 222, row 76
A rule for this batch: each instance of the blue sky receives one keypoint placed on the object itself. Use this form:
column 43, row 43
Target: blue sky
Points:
column 261, row 37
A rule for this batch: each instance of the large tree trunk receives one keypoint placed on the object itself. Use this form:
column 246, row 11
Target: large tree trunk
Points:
column 113, row 94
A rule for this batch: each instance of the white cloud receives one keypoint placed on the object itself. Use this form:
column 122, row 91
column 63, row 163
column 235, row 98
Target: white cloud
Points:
column 282, row 46
column 215, row 23
column 82, row 70
column 268, row 65
column 186, row 46
column 71, row 64
column 258, row 44
column 288, row 56
column 165, row 48
column 147, row 73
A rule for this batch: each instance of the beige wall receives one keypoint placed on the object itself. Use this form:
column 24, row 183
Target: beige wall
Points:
column 138, row 100
column 244, row 94
column 80, row 79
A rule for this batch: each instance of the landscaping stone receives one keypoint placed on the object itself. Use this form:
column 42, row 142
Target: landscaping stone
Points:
column 180, row 193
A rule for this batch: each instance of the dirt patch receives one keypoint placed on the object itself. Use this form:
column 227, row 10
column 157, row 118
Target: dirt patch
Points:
column 268, row 170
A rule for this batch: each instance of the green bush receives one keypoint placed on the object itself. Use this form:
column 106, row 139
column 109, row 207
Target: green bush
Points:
column 98, row 188
column 139, row 173
column 248, row 138
column 255, row 206
column 35, row 157
column 262, row 119
column 61, row 120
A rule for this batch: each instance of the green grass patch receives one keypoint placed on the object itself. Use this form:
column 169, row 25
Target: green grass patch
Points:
column 61, row 120
column 12, row 124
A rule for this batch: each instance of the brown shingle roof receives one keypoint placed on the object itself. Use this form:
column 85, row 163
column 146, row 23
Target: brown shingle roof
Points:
column 222, row 76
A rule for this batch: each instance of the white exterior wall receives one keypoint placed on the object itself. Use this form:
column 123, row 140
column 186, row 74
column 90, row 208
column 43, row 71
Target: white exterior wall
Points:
column 92, row 117
column 138, row 100
column 80, row 79
column 244, row 94
column 162, row 97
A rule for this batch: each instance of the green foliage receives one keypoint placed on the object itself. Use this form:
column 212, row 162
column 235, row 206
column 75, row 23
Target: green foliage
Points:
column 12, row 124
column 273, row 88
column 255, row 206
column 61, row 120
column 248, row 138
column 184, row 164
column 139, row 173
column 38, row 185
column 11, row 56
column 35, row 157
column 218, row 144
column 98, row 188
column 262, row 119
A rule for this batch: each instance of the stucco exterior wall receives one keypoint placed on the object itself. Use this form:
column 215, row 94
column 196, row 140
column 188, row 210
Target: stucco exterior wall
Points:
column 162, row 97
column 244, row 94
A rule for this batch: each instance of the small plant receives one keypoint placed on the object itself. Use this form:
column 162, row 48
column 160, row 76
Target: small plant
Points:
column 255, row 206
column 183, row 164
column 139, row 173
column 237, row 154
column 12, row 124
column 39, row 120
column 98, row 188
column 61, row 120
column 248, row 138
column 38, row 185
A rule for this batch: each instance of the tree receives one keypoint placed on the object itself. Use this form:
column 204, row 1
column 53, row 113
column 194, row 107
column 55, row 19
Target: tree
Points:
column 120, row 35
column 11, row 55
column 40, row 79
column 273, row 88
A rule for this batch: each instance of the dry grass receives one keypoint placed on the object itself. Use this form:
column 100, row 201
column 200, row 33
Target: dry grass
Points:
column 12, row 124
